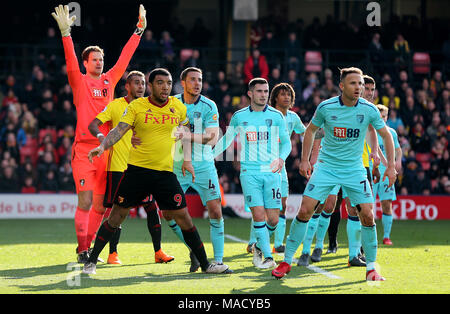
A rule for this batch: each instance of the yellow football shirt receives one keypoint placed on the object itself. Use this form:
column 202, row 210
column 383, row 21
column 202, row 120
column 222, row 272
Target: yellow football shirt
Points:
column 155, row 125
column 365, row 155
column 118, row 154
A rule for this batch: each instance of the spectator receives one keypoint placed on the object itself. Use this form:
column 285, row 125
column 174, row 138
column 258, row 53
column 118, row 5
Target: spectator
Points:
column 28, row 186
column 50, row 184
column 27, row 170
column 275, row 77
column 421, row 185
column 168, row 52
column 402, row 52
column 8, row 181
column 391, row 100
column 328, row 89
column 420, row 141
column 194, row 60
column 376, row 54
column 313, row 82
column 293, row 48
column 407, row 114
column 45, row 164
column 394, row 121
column 255, row 66
column 436, row 84
column 269, row 47
column 9, row 100
column 48, row 117
column 149, row 48
column 65, row 178
column 67, row 115
column 236, row 79
column 296, row 85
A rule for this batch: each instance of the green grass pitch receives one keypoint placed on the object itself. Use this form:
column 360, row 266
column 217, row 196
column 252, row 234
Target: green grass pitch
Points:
column 37, row 256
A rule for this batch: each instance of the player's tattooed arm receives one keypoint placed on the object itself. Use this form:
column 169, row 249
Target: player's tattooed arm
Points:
column 115, row 135
column 94, row 129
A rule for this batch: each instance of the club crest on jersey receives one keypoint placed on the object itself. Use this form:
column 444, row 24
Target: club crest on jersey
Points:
column 269, row 122
column 172, row 109
column 249, row 198
column 311, row 187
column 105, row 82
column 197, row 115
column 360, row 118
column 82, row 182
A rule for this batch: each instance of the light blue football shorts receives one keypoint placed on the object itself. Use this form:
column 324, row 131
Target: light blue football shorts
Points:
column 262, row 190
column 284, row 183
column 206, row 183
column 354, row 184
column 384, row 192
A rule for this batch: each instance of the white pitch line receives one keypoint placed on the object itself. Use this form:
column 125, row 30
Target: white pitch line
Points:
column 310, row 267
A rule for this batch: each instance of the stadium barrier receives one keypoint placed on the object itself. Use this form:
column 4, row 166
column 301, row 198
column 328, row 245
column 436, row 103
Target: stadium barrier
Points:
column 16, row 206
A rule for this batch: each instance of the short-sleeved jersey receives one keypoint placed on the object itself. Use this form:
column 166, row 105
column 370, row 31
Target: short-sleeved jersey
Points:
column 294, row 123
column 155, row 126
column 118, row 154
column 345, row 130
column 202, row 114
column 90, row 95
column 396, row 145
column 263, row 137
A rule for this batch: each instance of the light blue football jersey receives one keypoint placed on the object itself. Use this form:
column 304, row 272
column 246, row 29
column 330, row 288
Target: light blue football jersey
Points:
column 294, row 123
column 202, row 114
column 263, row 136
column 381, row 143
column 345, row 130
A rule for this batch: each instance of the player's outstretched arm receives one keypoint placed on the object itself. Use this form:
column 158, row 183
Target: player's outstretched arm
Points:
column 61, row 15
column 112, row 138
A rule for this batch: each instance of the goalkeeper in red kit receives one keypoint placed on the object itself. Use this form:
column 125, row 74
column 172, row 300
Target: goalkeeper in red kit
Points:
column 91, row 93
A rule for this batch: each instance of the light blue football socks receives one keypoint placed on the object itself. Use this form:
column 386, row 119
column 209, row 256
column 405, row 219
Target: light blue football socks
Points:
column 280, row 231
column 310, row 233
column 216, row 232
column 322, row 227
column 387, row 225
column 296, row 235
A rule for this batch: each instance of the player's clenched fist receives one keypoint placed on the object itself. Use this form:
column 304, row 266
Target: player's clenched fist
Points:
column 61, row 15
column 98, row 151
column 305, row 169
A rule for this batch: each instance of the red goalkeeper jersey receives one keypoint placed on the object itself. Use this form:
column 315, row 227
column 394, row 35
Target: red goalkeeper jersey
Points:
column 90, row 95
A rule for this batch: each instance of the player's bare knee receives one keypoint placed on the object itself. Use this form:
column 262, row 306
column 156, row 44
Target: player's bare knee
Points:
column 85, row 200
column 214, row 209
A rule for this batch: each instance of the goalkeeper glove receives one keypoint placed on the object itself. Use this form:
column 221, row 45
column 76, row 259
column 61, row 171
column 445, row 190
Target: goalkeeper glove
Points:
column 61, row 16
column 142, row 23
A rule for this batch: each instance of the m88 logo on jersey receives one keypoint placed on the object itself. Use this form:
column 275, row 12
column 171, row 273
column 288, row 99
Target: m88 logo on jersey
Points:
column 345, row 133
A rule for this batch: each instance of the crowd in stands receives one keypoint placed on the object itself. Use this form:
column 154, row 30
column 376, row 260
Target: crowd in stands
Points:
column 37, row 116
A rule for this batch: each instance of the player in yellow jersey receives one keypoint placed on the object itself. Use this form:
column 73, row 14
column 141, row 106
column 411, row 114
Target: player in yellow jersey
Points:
column 150, row 167
column 117, row 163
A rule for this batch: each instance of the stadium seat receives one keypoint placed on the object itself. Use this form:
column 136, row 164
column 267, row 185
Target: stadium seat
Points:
column 313, row 61
column 424, row 159
column 421, row 63
column 29, row 150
